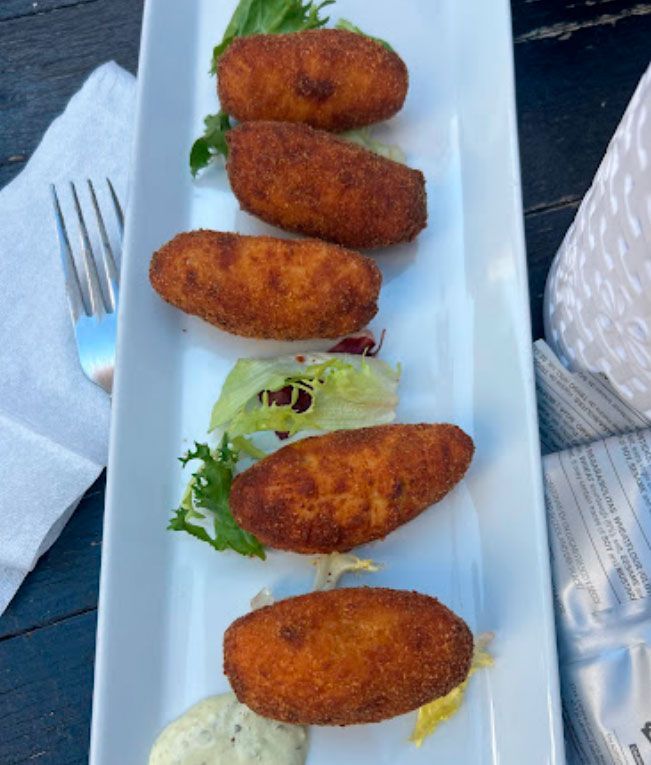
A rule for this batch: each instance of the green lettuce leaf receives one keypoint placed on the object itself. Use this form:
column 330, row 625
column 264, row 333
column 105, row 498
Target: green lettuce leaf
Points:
column 212, row 143
column 363, row 137
column 350, row 27
column 252, row 17
column 347, row 391
column 204, row 512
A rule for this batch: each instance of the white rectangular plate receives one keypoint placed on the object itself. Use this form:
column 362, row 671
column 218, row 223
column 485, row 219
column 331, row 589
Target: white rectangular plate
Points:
column 455, row 307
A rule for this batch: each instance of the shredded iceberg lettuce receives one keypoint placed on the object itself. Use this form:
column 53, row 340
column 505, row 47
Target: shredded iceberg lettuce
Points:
column 438, row 711
column 323, row 391
column 263, row 598
column 363, row 137
column 330, row 568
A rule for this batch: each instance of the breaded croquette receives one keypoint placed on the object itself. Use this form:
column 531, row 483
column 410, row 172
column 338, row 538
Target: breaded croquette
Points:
column 347, row 656
column 328, row 78
column 348, row 487
column 312, row 182
column 260, row 286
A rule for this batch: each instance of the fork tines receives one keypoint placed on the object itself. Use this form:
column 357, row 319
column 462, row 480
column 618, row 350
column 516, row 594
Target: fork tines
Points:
column 93, row 300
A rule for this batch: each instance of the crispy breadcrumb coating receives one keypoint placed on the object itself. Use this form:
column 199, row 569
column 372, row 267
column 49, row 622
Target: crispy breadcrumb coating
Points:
column 346, row 656
column 261, row 286
column 349, row 487
column 312, row 182
column 328, row 78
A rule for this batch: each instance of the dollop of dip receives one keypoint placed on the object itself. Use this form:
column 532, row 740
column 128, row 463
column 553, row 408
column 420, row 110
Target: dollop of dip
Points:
column 221, row 731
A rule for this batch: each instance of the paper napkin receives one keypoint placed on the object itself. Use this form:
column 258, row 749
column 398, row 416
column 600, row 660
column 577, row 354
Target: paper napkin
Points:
column 53, row 421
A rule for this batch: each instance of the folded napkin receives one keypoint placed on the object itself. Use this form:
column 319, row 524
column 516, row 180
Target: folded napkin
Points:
column 53, row 421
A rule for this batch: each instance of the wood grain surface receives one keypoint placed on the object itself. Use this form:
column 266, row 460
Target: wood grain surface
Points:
column 45, row 57
column 577, row 64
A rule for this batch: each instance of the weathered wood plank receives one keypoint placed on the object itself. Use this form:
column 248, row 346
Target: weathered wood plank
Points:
column 46, row 680
column 44, row 60
column 65, row 580
column 571, row 95
column 10, row 169
column 13, row 9
column 540, row 19
column 531, row 18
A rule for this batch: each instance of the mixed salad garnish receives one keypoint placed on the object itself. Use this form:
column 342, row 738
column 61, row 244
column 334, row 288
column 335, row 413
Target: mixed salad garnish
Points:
column 309, row 392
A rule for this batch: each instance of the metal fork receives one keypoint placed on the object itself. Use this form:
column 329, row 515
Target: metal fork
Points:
column 93, row 310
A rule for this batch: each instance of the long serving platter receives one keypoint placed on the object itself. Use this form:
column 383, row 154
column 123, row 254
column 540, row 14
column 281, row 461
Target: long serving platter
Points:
column 455, row 307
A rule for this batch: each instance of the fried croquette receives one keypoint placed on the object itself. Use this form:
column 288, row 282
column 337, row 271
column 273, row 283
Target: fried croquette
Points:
column 312, row 182
column 328, row 78
column 333, row 492
column 347, row 656
column 260, row 286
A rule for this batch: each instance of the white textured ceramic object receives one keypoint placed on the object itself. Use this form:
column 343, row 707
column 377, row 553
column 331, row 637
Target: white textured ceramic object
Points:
column 598, row 293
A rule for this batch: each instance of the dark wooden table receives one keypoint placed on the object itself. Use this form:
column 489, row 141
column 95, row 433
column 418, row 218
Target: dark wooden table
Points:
column 577, row 64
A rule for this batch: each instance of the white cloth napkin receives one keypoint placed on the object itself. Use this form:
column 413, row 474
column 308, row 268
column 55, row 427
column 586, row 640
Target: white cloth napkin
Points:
column 53, row 422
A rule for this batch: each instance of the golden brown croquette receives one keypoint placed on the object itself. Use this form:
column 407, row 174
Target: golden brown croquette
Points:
column 349, row 487
column 346, row 656
column 328, row 78
column 260, row 286
column 312, row 182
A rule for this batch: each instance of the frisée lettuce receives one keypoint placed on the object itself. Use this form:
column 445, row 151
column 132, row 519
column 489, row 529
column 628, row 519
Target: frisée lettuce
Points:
column 320, row 391
column 204, row 512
